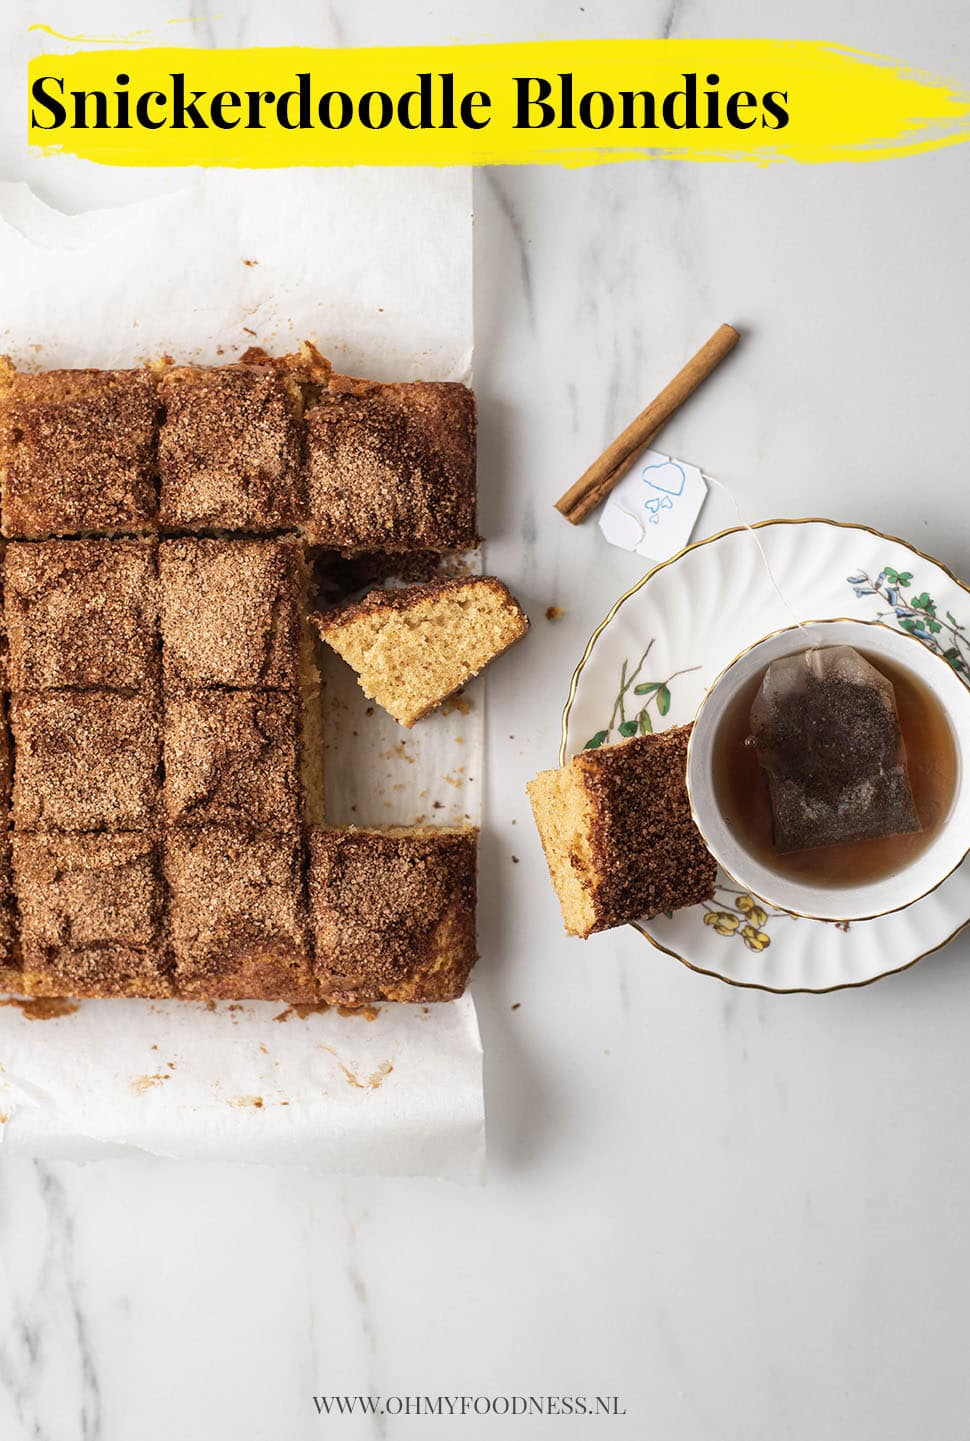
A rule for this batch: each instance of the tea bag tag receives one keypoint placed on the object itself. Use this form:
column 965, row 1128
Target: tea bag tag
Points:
column 654, row 508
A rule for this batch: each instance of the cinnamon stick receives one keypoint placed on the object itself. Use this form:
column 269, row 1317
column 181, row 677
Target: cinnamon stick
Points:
column 595, row 484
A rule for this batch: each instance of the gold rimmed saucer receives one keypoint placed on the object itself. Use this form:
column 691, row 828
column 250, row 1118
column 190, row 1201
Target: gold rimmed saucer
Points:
column 664, row 641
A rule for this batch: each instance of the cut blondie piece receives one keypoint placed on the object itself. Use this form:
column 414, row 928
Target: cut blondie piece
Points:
column 82, row 613
column 237, row 920
column 11, row 959
column 414, row 647
column 391, row 467
column 229, row 448
column 85, row 761
column 11, row 973
column 393, row 913
column 6, row 763
column 91, row 915
column 232, row 613
column 76, row 451
column 4, row 646
column 232, row 758
column 616, row 827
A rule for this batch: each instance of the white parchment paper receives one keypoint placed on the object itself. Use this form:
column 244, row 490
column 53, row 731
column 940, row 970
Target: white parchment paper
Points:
column 375, row 268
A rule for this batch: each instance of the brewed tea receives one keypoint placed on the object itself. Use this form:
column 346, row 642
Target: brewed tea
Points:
column 920, row 742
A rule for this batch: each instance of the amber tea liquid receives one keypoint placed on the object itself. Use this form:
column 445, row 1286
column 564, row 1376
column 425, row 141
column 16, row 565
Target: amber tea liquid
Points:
column 931, row 755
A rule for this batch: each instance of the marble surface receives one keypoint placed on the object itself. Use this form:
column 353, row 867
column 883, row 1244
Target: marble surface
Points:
column 743, row 1214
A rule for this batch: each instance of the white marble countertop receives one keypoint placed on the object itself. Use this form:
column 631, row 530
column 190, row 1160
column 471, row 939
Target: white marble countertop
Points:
column 745, row 1215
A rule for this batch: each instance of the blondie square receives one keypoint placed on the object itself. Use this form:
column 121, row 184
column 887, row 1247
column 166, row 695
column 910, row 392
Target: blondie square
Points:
column 4, row 646
column 414, row 646
column 91, row 915
column 391, row 467
column 77, row 451
column 232, row 613
column 11, row 963
column 237, row 924
column 393, row 913
column 6, row 763
column 229, row 448
column 618, row 834
column 81, row 613
column 232, row 758
column 85, row 761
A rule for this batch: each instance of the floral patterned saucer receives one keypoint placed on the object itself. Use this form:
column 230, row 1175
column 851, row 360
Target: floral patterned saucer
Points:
column 647, row 667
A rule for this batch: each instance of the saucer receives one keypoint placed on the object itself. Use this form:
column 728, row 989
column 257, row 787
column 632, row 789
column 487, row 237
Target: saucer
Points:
column 650, row 663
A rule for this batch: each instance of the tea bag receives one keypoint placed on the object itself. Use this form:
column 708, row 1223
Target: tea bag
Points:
column 827, row 733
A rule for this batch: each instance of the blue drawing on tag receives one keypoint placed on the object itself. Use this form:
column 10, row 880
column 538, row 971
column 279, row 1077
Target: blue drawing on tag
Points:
column 669, row 479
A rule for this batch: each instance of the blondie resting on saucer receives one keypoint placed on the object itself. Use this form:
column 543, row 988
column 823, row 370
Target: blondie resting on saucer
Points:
column 618, row 835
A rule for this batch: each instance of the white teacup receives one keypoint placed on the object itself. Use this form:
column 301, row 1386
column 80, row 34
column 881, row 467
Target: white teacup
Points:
column 834, row 902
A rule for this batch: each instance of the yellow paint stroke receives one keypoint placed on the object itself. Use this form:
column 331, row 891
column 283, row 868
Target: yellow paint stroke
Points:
column 843, row 104
column 131, row 37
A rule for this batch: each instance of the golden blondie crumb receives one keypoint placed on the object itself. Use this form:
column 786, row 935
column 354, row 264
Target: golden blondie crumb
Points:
column 415, row 646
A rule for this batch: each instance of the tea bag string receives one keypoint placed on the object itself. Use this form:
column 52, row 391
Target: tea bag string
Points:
column 713, row 480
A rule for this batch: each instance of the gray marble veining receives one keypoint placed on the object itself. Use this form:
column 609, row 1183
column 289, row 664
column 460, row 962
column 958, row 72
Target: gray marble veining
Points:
column 744, row 1214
